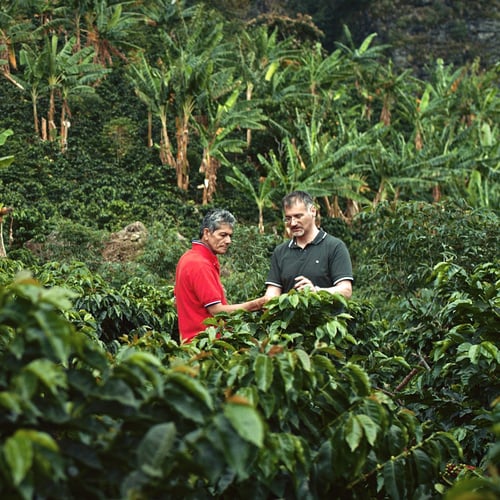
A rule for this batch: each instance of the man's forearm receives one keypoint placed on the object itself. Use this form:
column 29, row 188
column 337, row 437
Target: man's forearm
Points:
column 343, row 287
column 251, row 305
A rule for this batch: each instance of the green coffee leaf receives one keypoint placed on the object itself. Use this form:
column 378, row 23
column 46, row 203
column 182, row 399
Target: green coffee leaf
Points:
column 264, row 368
column 246, row 421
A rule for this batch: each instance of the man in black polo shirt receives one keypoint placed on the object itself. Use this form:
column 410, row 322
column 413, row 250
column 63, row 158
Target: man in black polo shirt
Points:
column 312, row 258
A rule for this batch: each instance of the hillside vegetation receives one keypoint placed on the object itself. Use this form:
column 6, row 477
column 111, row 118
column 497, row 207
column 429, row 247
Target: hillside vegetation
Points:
column 147, row 114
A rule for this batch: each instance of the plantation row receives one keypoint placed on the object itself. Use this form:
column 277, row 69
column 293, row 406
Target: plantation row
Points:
column 119, row 131
column 299, row 401
column 114, row 112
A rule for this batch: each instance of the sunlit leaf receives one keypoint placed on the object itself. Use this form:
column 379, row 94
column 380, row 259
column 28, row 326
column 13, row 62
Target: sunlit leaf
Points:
column 304, row 359
column 370, row 428
column 264, row 369
column 353, row 432
column 247, row 422
column 49, row 373
column 18, row 452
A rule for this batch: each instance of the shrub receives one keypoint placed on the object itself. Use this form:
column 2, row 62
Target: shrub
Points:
column 70, row 241
column 396, row 246
column 164, row 247
column 264, row 421
column 455, row 327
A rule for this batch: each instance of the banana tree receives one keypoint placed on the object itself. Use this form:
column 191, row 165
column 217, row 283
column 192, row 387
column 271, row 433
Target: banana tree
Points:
column 318, row 73
column 219, row 134
column 153, row 86
column 110, row 31
column 80, row 74
column 169, row 87
column 365, row 72
column 397, row 167
column 193, row 65
column 470, row 115
column 32, row 80
column 71, row 16
column 262, row 196
column 62, row 72
column 55, row 74
column 5, row 161
column 446, row 119
column 262, row 58
column 322, row 165
column 13, row 31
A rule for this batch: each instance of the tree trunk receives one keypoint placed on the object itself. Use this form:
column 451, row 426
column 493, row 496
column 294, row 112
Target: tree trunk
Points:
column 249, row 98
column 43, row 135
column 65, row 124
column 182, row 163
column 419, row 141
column 150, row 128
column 35, row 114
column 5, row 72
column 50, row 117
column 385, row 114
column 209, row 166
column 328, row 206
column 261, row 221
column 166, row 156
column 78, row 43
column 380, row 193
column 436, row 193
column 337, row 212
column 352, row 209
column 3, row 211
column 3, row 253
column 333, row 208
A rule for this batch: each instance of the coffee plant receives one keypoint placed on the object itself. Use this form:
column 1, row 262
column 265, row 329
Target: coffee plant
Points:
column 255, row 407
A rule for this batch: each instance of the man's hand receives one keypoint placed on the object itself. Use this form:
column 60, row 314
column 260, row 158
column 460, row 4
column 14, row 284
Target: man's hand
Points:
column 256, row 304
column 302, row 282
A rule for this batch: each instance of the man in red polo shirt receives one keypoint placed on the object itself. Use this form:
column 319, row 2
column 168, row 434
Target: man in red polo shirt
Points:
column 199, row 293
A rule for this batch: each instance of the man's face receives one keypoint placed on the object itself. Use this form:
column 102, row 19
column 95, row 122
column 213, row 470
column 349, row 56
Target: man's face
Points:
column 219, row 240
column 299, row 219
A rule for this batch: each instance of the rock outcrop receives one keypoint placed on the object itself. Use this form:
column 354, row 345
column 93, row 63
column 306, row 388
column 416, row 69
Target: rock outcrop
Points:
column 125, row 245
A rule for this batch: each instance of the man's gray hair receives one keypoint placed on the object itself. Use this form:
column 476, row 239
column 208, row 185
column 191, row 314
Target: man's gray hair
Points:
column 215, row 218
column 297, row 197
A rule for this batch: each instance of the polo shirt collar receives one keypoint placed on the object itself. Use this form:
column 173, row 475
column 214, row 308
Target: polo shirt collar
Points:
column 199, row 246
column 317, row 240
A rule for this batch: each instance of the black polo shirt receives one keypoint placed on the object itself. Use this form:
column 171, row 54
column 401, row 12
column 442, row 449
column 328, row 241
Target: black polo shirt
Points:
column 325, row 261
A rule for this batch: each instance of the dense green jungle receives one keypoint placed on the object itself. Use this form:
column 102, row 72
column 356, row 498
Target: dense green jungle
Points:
column 121, row 124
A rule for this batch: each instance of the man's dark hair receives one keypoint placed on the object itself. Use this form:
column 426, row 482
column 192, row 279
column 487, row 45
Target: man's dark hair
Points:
column 215, row 218
column 297, row 197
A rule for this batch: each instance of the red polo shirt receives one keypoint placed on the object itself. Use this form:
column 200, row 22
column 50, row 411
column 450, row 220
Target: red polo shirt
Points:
column 197, row 286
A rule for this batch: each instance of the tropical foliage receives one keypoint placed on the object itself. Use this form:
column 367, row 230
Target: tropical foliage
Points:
column 261, row 405
column 113, row 112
